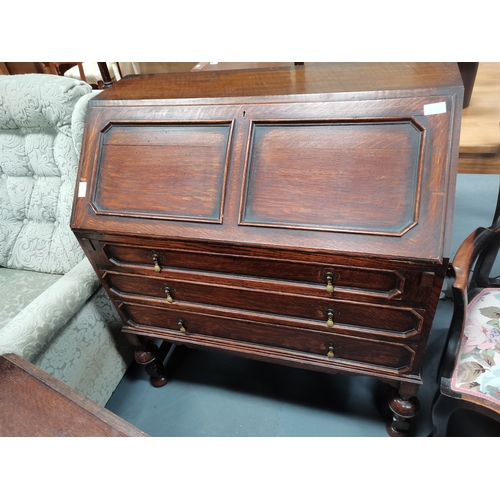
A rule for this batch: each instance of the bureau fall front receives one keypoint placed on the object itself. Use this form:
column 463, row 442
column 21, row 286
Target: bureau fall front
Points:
column 296, row 215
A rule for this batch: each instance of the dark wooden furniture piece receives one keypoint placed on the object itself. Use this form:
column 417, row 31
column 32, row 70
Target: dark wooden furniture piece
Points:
column 58, row 68
column 468, row 71
column 471, row 269
column 106, row 77
column 297, row 215
column 35, row 404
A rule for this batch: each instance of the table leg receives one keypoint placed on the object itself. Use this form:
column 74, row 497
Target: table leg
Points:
column 151, row 357
column 404, row 406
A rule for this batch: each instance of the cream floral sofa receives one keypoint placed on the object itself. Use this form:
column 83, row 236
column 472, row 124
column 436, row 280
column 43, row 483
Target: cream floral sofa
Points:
column 52, row 310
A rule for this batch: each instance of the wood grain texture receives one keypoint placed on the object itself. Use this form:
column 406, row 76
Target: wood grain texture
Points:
column 35, row 404
column 374, row 354
column 183, row 171
column 337, row 168
column 429, row 178
column 304, row 175
column 396, row 320
column 299, row 80
column 480, row 132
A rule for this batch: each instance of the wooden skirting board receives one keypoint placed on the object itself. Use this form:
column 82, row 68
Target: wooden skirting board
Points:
column 481, row 164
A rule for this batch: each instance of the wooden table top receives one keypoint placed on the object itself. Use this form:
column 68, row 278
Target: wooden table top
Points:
column 214, row 66
column 35, row 404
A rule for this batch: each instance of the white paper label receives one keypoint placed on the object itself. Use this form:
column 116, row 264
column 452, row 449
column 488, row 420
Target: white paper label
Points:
column 435, row 109
column 82, row 189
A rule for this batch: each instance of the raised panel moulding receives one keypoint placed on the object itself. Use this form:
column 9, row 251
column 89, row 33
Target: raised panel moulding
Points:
column 182, row 171
column 329, row 176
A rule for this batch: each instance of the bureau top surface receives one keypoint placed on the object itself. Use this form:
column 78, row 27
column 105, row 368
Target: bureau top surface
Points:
column 347, row 158
column 307, row 80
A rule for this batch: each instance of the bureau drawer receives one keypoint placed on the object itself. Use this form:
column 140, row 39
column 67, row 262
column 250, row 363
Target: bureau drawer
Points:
column 324, row 313
column 383, row 283
column 191, row 327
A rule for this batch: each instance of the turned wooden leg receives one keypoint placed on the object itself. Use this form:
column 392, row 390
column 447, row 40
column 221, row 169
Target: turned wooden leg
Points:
column 151, row 357
column 404, row 406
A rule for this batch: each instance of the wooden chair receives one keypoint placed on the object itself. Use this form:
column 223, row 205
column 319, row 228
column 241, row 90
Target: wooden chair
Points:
column 469, row 374
column 98, row 75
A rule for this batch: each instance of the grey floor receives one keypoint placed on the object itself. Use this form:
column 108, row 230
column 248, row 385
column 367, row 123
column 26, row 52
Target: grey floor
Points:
column 212, row 394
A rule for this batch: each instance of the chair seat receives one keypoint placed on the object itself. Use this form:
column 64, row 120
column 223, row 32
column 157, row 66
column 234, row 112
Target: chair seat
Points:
column 477, row 369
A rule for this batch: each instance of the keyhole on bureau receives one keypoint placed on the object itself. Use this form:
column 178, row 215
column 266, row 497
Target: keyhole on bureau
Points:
column 244, row 113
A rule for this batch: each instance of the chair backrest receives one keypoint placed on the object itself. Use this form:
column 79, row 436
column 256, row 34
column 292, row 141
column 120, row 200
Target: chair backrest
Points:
column 38, row 167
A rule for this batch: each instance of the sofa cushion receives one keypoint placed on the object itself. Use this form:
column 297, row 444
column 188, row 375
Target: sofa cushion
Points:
column 30, row 331
column 38, row 166
column 89, row 353
column 19, row 288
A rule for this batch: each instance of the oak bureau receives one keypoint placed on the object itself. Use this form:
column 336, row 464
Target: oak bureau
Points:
column 296, row 215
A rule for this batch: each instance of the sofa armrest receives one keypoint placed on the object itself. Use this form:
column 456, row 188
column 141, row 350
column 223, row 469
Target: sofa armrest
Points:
column 78, row 120
column 32, row 329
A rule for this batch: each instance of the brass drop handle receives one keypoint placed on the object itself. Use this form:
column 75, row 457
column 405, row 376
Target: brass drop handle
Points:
column 168, row 291
column 330, row 276
column 155, row 256
column 331, row 351
column 330, row 313
column 329, row 321
column 182, row 328
column 329, row 284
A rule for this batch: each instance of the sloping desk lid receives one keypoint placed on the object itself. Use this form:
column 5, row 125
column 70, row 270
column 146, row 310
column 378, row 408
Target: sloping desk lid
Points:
column 278, row 166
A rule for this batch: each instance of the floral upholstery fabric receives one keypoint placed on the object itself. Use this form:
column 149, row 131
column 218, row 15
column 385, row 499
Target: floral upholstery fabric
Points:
column 477, row 371
column 37, row 172
column 12, row 281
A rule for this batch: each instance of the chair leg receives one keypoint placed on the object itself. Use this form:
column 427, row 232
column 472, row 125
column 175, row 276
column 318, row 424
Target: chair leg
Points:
column 442, row 409
column 106, row 77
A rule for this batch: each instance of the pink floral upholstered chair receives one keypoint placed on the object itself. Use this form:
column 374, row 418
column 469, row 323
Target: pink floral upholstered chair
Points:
column 470, row 368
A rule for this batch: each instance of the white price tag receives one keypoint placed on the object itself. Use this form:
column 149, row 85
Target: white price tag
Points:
column 435, row 108
column 82, row 189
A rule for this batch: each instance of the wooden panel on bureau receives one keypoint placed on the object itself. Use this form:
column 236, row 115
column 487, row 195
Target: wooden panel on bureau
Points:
column 35, row 404
column 183, row 171
column 297, row 215
column 326, row 163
